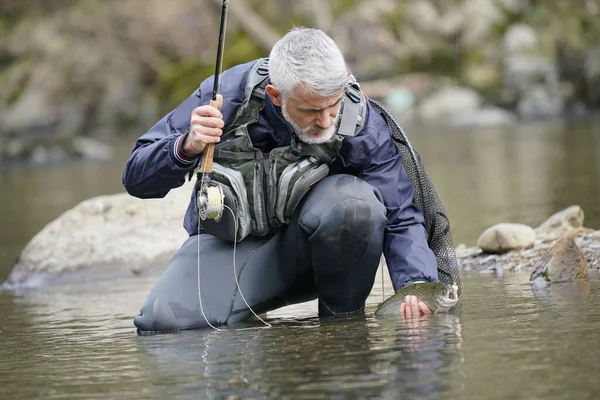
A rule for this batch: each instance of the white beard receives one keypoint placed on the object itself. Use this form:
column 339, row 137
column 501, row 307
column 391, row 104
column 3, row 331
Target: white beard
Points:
column 302, row 133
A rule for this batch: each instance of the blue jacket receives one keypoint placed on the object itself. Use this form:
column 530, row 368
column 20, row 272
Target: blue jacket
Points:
column 157, row 164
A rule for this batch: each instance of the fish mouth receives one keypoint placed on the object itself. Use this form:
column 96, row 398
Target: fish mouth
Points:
column 452, row 296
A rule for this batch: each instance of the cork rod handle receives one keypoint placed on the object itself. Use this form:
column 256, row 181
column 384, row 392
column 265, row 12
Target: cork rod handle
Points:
column 209, row 151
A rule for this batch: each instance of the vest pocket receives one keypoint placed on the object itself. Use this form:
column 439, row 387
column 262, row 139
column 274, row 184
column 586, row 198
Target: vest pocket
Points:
column 295, row 181
column 303, row 185
column 234, row 191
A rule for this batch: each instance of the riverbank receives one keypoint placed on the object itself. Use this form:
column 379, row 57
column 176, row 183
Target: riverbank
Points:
column 475, row 259
column 460, row 64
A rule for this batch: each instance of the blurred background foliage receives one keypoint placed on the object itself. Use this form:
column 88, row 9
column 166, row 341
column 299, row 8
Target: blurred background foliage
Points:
column 96, row 69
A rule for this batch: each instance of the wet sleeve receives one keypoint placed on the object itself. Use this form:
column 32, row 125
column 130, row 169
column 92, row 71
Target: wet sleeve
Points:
column 157, row 163
column 406, row 251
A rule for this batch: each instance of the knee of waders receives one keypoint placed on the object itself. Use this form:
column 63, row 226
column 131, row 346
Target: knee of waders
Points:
column 156, row 316
column 346, row 207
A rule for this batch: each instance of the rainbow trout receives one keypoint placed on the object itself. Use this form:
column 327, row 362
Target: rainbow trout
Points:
column 439, row 297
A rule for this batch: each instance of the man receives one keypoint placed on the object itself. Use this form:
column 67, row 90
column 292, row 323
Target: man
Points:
column 330, row 246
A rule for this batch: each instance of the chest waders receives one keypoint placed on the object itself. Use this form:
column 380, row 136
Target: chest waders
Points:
column 264, row 190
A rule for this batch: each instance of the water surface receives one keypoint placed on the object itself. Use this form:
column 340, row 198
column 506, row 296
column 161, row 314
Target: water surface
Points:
column 505, row 341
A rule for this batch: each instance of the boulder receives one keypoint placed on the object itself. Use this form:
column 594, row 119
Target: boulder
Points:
column 505, row 237
column 449, row 101
column 107, row 236
column 520, row 37
column 486, row 117
column 565, row 220
column 423, row 16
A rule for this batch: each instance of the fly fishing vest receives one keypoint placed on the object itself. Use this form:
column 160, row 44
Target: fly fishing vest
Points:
column 262, row 191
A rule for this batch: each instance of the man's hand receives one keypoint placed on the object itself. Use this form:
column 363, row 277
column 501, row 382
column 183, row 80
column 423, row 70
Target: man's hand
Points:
column 412, row 307
column 206, row 124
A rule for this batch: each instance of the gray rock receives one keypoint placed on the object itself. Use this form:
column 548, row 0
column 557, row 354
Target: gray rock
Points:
column 91, row 149
column 451, row 23
column 505, row 237
column 540, row 102
column 569, row 219
column 114, row 235
column 449, row 101
column 520, row 37
column 423, row 16
column 564, row 262
column 487, row 117
column 480, row 18
column 520, row 71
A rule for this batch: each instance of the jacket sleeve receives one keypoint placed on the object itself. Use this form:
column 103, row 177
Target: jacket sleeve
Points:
column 406, row 251
column 157, row 163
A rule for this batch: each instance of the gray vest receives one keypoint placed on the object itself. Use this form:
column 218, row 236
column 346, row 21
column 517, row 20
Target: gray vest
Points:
column 263, row 191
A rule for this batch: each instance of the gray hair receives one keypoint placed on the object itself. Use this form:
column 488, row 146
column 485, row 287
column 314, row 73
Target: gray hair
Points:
column 310, row 58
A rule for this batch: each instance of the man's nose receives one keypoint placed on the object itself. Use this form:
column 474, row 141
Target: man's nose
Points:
column 325, row 117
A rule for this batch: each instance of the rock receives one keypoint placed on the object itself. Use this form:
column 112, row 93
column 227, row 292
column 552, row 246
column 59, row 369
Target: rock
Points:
column 520, row 37
column 565, row 220
column 105, row 235
column 449, row 101
column 531, row 84
column 481, row 16
column 462, row 251
column 521, row 71
column 91, row 149
column 423, row 16
column 487, row 117
column 505, row 237
column 539, row 102
column 451, row 23
column 564, row 262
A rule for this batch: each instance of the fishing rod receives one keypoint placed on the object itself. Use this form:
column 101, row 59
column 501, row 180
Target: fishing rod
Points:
column 211, row 198
column 209, row 150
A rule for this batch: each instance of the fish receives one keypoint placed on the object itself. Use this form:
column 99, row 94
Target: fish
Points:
column 439, row 297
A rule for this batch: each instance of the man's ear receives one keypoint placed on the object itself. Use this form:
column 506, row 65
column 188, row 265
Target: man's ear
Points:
column 274, row 95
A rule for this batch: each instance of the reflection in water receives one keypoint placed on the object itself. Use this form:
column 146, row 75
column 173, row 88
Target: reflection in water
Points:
column 349, row 358
column 506, row 340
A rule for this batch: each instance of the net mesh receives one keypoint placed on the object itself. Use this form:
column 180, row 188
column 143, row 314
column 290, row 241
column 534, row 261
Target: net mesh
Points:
column 437, row 224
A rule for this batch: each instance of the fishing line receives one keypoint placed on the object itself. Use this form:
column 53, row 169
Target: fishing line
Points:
column 217, row 202
column 199, row 293
column 235, row 269
column 382, row 284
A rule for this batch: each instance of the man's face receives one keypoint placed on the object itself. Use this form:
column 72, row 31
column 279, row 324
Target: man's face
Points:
column 313, row 118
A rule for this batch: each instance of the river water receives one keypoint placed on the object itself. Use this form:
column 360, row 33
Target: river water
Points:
column 505, row 341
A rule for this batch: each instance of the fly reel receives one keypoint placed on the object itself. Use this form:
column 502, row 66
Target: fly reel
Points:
column 210, row 201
